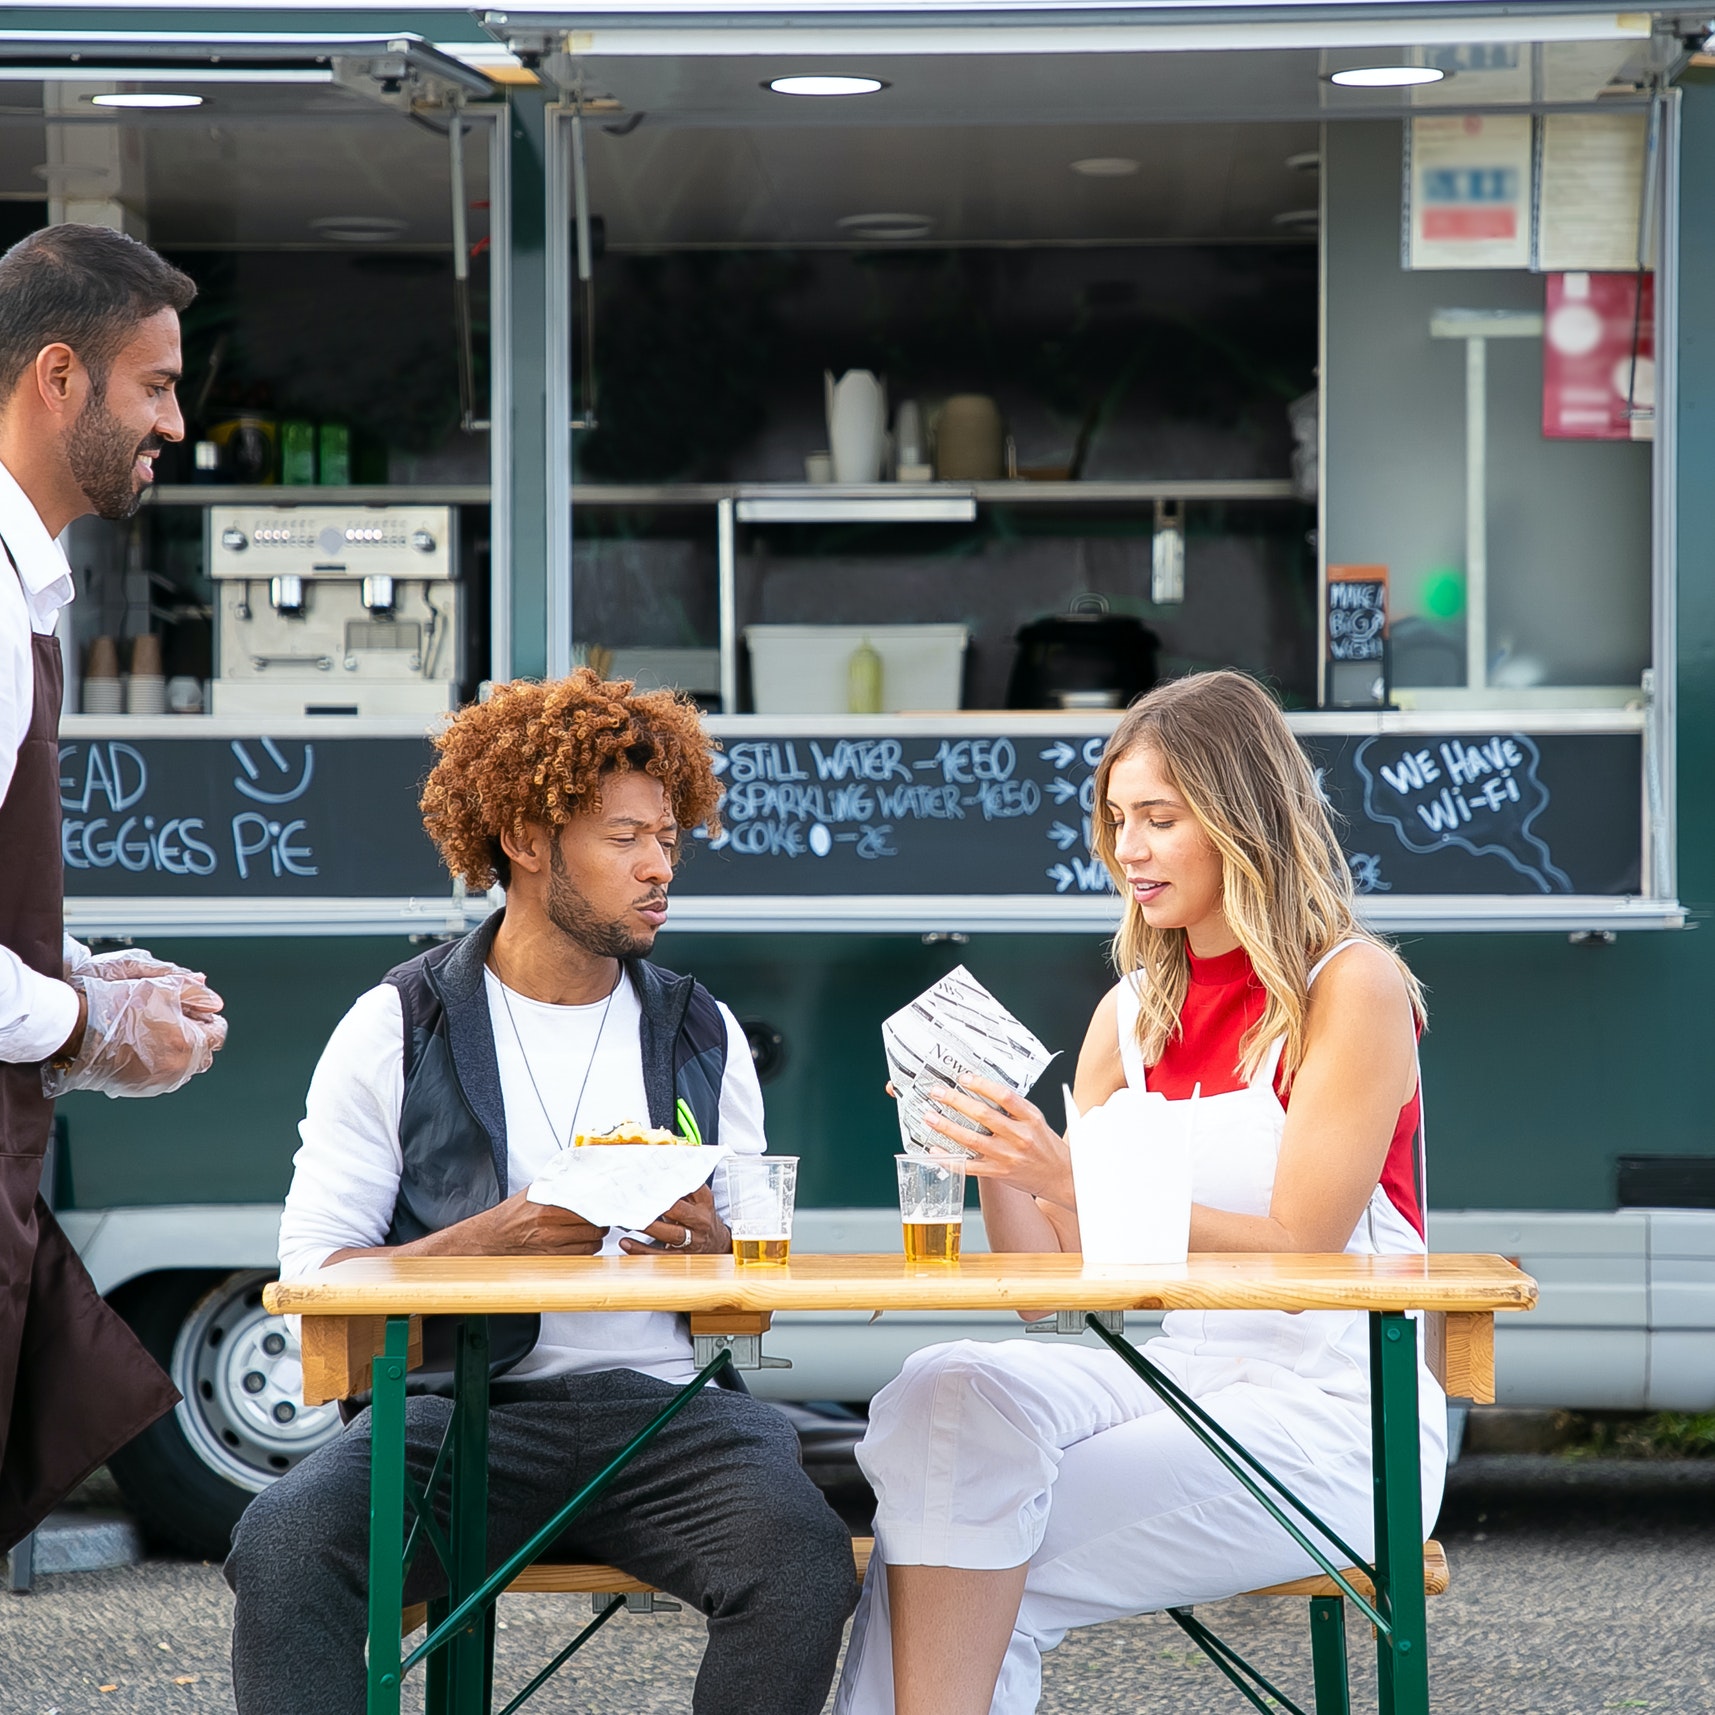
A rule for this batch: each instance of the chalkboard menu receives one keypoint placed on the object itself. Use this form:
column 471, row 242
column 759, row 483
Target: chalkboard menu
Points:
column 1497, row 813
column 251, row 818
column 906, row 815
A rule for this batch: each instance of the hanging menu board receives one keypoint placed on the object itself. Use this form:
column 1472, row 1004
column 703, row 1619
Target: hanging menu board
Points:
column 902, row 815
column 1490, row 813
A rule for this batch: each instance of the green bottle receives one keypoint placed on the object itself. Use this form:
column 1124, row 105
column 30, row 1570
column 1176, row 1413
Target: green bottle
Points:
column 297, row 452
column 335, row 448
column 863, row 680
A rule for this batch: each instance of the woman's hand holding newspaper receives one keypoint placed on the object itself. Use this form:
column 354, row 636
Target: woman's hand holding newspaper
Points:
column 1023, row 1149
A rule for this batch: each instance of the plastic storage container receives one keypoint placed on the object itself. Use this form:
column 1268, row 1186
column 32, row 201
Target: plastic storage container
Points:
column 801, row 669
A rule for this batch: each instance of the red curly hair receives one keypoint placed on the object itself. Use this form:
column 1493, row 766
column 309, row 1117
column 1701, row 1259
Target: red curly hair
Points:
column 537, row 753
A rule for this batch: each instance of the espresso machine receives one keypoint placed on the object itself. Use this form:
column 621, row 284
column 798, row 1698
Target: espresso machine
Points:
column 335, row 610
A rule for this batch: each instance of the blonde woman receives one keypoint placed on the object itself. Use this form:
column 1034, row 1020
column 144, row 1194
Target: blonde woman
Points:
column 1027, row 1487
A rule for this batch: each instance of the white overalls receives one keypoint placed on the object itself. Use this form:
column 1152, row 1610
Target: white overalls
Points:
column 991, row 1455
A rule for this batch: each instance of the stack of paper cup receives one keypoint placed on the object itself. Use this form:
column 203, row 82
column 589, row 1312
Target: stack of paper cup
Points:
column 146, row 690
column 103, row 690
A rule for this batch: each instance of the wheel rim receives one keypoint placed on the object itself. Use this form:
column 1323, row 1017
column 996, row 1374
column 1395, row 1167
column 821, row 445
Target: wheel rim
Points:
column 241, row 1373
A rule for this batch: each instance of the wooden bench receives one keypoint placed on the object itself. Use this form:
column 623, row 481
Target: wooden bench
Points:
column 1460, row 1349
column 586, row 1578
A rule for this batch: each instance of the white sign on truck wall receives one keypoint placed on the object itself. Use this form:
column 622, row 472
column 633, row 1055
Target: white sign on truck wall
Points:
column 1468, row 185
column 1590, row 192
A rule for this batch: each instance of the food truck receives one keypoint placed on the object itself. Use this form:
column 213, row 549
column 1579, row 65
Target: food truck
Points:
column 913, row 385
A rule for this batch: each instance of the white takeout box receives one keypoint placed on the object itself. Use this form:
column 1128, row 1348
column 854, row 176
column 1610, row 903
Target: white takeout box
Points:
column 1131, row 1170
column 624, row 1184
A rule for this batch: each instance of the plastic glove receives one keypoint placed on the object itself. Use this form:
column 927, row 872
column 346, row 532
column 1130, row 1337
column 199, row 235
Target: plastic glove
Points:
column 140, row 1039
column 200, row 1001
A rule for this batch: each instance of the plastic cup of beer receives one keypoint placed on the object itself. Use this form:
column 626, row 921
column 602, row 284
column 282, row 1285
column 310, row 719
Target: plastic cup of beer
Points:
column 931, row 1205
column 761, row 1191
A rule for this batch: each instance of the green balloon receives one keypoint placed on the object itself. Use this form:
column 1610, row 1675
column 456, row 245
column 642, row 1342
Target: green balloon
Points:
column 1444, row 593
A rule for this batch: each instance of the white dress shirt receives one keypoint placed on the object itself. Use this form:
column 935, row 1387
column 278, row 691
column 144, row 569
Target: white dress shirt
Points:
column 562, row 1069
column 37, row 1013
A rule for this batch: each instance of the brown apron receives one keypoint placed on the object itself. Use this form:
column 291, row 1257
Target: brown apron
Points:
column 75, row 1384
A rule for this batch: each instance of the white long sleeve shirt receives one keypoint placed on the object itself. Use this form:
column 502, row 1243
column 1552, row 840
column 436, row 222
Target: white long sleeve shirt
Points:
column 562, row 1068
column 37, row 1013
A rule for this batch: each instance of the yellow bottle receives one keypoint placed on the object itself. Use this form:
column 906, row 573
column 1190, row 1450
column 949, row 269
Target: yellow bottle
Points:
column 863, row 680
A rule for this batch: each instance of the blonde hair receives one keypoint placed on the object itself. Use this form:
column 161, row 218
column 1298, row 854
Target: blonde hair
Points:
column 1286, row 889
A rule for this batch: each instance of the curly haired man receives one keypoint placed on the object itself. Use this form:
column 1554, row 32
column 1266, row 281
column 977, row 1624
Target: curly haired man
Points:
column 440, row 1095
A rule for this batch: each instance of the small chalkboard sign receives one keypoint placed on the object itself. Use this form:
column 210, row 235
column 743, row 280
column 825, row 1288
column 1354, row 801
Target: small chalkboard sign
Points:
column 1357, row 637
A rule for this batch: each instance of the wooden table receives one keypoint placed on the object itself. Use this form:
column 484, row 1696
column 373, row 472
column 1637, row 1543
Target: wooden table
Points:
column 360, row 1321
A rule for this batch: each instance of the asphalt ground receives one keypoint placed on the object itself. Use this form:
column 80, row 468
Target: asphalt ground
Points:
column 1578, row 1588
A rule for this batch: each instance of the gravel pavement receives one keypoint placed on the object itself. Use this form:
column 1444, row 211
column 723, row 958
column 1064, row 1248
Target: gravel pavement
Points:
column 1578, row 1589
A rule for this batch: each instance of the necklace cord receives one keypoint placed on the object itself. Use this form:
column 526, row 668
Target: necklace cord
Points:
column 529, row 1071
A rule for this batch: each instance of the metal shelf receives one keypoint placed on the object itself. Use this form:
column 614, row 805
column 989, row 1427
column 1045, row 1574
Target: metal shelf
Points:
column 316, row 494
column 818, row 500
column 781, row 502
column 765, row 503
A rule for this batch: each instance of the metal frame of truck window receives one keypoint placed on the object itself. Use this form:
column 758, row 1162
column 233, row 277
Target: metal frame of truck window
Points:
column 1661, row 741
column 561, row 308
column 500, row 393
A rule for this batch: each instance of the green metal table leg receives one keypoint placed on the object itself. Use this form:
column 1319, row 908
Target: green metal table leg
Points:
column 1328, row 1655
column 437, row 1691
column 387, row 1517
column 1402, row 1658
column 467, row 1650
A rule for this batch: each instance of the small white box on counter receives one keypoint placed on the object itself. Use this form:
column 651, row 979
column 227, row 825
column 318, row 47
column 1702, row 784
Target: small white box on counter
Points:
column 801, row 669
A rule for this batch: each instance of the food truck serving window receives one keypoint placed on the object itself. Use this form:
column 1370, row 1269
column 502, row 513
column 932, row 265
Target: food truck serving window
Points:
column 924, row 380
column 1485, row 436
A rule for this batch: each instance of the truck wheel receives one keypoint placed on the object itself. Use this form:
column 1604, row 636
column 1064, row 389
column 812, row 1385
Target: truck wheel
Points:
column 242, row 1423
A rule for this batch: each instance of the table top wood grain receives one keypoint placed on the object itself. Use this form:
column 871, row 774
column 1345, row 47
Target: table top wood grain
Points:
column 1247, row 1280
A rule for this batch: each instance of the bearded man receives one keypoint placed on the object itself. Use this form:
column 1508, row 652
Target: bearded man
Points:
column 89, row 358
column 441, row 1095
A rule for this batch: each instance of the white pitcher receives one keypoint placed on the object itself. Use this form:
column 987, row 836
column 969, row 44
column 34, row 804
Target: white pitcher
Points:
column 857, row 425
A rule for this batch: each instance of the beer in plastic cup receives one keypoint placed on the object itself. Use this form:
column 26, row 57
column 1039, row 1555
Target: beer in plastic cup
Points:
column 931, row 1205
column 761, row 1191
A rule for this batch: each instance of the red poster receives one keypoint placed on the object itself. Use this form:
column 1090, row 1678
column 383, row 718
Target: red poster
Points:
column 1598, row 358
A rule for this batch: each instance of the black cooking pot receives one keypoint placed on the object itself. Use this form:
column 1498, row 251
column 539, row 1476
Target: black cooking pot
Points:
column 1080, row 653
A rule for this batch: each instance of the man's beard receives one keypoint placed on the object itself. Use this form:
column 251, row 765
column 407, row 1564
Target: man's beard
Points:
column 100, row 451
column 570, row 913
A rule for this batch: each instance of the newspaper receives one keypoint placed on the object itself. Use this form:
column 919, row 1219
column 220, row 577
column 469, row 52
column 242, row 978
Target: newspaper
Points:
column 955, row 1030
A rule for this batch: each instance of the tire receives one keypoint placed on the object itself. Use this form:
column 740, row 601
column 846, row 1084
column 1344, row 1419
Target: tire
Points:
column 241, row 1425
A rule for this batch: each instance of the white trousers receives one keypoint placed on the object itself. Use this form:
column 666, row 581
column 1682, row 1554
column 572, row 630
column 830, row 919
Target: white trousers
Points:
column 990, row 1456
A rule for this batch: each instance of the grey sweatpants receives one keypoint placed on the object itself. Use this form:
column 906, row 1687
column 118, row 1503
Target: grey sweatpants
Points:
column 715, row 1511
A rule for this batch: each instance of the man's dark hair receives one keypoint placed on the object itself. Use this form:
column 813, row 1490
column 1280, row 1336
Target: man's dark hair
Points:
column 82, row 286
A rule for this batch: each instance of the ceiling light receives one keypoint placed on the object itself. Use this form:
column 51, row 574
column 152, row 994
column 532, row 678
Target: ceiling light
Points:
column 825, row 85
column 1297, row 219
column 1106, row 167
column 1385, row 77
column 146, row 99
column 886, row 228
column 358, row 228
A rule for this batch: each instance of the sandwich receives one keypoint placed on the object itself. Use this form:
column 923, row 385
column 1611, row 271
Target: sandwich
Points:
column 631, row 1132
